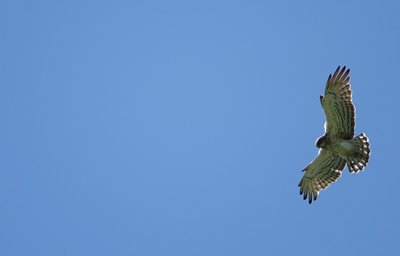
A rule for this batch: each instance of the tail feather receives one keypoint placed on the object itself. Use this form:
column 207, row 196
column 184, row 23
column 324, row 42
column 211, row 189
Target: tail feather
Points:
column 359, row 160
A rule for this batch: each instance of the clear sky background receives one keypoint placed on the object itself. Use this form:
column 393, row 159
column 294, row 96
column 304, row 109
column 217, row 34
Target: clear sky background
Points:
column 181, row 127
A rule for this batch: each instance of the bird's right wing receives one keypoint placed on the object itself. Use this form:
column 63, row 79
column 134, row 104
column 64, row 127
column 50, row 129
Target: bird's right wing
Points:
column 325, row 169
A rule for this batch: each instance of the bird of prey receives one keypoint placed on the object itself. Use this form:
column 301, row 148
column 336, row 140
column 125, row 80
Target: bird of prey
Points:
column 338, row 146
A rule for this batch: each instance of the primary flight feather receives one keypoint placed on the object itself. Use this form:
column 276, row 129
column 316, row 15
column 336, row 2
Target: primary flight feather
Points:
column 338, row 146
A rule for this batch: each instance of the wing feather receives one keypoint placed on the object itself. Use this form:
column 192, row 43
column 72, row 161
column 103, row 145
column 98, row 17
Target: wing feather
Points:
column 325, row 169
column 338, row 106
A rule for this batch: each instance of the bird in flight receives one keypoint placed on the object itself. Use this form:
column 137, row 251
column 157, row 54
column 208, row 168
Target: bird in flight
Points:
column 338, row 146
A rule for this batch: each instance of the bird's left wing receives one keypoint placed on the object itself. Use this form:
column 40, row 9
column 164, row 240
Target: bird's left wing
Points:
column 338, row 106
column 325, row 169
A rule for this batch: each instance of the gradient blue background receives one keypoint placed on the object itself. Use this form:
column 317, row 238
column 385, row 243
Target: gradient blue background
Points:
column 181, row 127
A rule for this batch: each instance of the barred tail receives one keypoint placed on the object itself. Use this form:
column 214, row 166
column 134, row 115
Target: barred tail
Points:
column 360, row 158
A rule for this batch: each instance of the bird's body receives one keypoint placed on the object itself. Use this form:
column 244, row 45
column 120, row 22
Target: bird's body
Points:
column 342, row 147
column 338, row 146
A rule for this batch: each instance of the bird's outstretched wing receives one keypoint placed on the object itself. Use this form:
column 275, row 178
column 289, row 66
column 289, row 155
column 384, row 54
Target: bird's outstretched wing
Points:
column 325, row 169
column 338, row 106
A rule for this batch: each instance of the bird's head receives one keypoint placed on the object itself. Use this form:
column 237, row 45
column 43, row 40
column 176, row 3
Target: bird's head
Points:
column 321, row 142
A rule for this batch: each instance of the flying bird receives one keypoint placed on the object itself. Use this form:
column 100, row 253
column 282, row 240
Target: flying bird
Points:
column 338, row 146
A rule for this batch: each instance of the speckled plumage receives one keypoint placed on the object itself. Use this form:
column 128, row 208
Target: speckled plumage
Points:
column 338, row 146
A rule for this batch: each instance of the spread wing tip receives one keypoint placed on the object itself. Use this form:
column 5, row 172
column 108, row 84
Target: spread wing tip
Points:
column 307, row 192
column 339, row 80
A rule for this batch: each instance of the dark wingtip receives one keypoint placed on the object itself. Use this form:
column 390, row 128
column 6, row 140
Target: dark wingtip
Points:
column 334, row 76
column 337, row 71
column 329, row 79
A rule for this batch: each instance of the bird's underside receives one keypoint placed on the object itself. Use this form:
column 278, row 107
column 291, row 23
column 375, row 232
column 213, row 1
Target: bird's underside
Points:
column 338, row 146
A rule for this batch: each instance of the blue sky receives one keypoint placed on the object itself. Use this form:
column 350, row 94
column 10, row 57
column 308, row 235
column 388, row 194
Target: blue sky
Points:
column 182, row 127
